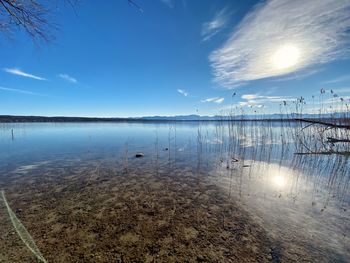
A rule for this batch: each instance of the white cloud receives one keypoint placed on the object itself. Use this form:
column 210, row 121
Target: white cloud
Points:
column 251, row 103
column 19, row 91
column 342, row 90
column 211, row 28
column 315, row 30
column 260, row 100
column 249, row 96
column 215, row 99
column 169, row 3
column 267, row 98
column 183, row 92
column 19, row 72
column 337, row 80
column 68, row 78
column 335, row 100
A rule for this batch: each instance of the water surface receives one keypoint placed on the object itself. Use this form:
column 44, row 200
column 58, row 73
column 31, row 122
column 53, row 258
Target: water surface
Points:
column 232, row 189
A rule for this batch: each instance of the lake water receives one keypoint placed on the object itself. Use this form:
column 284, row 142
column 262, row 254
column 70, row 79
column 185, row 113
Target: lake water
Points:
column 204, row 191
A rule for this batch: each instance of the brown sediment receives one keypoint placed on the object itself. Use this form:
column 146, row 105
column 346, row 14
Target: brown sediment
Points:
column 172, row 216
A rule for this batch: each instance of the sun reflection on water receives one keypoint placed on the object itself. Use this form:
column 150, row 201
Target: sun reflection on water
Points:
column 279, row 181
column 279, row 178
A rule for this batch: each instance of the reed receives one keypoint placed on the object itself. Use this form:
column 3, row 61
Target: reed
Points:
column 126, row 160
column 156, row 149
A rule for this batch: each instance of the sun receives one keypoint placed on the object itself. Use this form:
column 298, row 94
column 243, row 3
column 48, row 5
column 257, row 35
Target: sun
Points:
column 286, row 57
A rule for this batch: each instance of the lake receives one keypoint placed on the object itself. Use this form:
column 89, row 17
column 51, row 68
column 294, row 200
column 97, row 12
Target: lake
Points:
column 202, row 192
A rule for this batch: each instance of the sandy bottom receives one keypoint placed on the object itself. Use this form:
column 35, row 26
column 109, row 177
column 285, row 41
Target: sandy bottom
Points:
column 97, row 212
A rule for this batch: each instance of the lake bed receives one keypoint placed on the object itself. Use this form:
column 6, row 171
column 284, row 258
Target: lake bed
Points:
column 204, row 191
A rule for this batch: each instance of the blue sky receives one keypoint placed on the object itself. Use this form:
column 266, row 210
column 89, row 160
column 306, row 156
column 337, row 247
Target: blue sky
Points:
column 178, row 57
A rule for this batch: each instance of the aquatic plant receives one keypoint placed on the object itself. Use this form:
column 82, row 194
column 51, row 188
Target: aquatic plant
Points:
column 156, row 149
column 125, row 160
column 22, row 231
column 95, row 172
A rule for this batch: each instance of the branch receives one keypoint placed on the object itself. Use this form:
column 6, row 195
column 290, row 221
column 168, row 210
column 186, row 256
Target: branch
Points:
column 333, row 125
column 335, row 140
column 29, row 15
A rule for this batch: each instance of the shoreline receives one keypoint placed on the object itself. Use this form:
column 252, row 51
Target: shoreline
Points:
column 160, row 119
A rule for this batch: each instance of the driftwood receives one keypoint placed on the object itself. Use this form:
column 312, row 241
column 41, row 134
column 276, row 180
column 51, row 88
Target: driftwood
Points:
column 329, row 124
column 344, row 153
column 335, row 140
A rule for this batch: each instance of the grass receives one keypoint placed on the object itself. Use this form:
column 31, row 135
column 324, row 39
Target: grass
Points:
column 22, row 231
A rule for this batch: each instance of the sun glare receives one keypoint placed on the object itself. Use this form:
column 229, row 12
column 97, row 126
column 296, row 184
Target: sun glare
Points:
column 279, row 177
column 279, row 181
column 286, row 57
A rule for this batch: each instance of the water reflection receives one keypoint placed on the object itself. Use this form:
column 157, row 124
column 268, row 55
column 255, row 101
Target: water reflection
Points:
column 301, row 200
column 278, row 179
column 293, row 208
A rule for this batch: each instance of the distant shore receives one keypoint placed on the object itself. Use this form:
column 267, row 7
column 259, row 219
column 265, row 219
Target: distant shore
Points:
column 189, row 118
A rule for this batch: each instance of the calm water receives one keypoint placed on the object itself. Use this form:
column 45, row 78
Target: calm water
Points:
column 302, row 201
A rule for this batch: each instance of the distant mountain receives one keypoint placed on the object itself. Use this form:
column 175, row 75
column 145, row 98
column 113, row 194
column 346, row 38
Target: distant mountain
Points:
column 193, row 117
column 274, row 116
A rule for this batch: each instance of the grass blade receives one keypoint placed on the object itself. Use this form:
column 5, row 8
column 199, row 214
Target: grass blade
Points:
column 22, row 231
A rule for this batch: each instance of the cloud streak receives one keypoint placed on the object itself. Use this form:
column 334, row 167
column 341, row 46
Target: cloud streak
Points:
column 215, row 100
column 20, row 91
column 342, row 90
column 68, row 78
column 169, row 3
column 183, row 92
column 317, row 31
column 18, row 72
column 211, row 28
column 338, row 80
column 256, row 100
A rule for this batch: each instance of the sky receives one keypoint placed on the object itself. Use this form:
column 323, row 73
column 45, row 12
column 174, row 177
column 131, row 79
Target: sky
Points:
column 177, row 57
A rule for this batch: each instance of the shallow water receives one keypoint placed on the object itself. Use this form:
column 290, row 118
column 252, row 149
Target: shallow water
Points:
column 237, row 191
